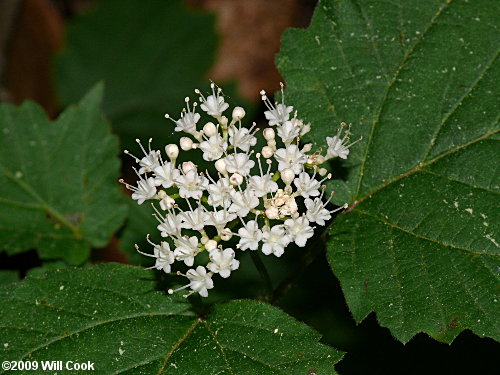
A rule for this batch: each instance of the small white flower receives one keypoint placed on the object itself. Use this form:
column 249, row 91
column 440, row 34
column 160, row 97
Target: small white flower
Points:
column 200, row 280
column 307, row 186
column 275, row 241
column 167, row 203
column 263, row 185
column 146, row 189
column 194, row 219
column 166, row 174
column 243, row 202
column 242, row 138
column 239, row 163
column 219, row 192
column 288, row 132
column 250, row 235
column 162, row 253
column 186, row 249
column 299, row 230
column 336, row 148
column 223, row 262
column 150, row 160
column 170, row 225
column 189, row 119
column 339, row 147
column 220, row 218
column 213, row 148
column 164, row 257
column 316, row 211
column 214, row 104
column 278, row 115
column 191, row 184
column 290, row 157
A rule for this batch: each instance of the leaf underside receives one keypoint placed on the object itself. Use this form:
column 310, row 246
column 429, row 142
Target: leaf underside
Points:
column 111, row 315
column 418, row 80
column 58, row 180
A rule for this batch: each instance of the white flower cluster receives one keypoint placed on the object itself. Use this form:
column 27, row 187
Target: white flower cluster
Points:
column 251, row 200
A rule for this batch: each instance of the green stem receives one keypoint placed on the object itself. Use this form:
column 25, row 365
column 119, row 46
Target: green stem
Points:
column 307, row 258
column 263, row 273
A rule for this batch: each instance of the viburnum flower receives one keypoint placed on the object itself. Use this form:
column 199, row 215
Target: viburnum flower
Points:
column 257, row 198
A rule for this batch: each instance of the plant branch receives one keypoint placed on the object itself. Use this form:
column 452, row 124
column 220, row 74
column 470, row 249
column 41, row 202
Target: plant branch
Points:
column 264, row 275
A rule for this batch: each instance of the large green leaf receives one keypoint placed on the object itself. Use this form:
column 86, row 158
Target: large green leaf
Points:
column 58, row 180
column 151, row 54
column 113, row 316
column 418, row 79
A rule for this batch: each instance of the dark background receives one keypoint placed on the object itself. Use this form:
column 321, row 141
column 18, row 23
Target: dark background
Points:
column 32, row 33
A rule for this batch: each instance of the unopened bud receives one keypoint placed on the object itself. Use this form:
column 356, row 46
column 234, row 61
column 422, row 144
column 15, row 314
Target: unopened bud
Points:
column 186, row 143
column 287, row 176
column 167, row 203
column 238, row 113
column 223, row 121
column 209, row 129
column 322, row 171
column 307, row 147
column 172, row 151
column 269, row 134
column 220, row 165
column 272, row 213
column 211, row 244
column 187, row 166
column 236, row 179
column 226, row 234
column 267, row 152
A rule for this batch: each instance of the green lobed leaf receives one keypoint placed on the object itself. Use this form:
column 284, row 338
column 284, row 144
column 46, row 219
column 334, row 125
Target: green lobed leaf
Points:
column 113, row 316
column 151, row 54
column 58, row 180
column 418, row 80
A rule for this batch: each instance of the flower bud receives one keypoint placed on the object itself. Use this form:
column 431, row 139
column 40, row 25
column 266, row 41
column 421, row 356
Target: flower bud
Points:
column 269, row 134
column 307, row 147
column 167, row 203
column 236, row 179
column 272, row 213
column 172, row 151
column 238, row 113
column 287, row 176
column 322, row 171
column 209, row 129
column 220, row 165
column 210, row 245
column 187, row 166
column 223, row 121
column 186, row 143
column 267, row 152
column 226, row 234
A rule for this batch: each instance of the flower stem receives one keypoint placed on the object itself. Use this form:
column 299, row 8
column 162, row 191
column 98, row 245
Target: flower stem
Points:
column 263, row 273
column 307, row 258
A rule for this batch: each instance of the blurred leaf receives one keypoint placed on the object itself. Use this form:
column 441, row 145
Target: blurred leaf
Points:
column 124, row 325
column 151, row 54
column 139, row 223
column 418, row 80
column 47, row 266
column 8, row 276
column 58, row 188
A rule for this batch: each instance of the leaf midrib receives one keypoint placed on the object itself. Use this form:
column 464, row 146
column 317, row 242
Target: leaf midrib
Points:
column 421, row 166
column 395, row 226
column 382, row 104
